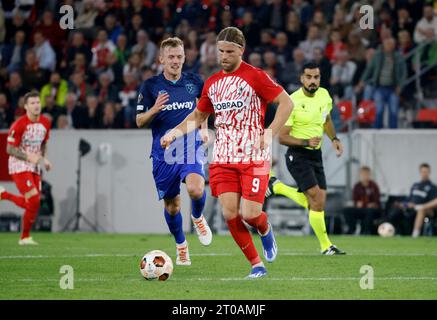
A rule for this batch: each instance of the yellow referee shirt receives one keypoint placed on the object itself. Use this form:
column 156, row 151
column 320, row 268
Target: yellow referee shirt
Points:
column 309, row 114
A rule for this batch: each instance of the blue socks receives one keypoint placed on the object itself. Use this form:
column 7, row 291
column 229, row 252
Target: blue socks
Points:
column 197, row 206
column 175, row 225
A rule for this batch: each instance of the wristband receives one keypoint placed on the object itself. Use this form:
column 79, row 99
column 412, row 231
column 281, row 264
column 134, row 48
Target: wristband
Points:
column 305, row 143
column 335, row 138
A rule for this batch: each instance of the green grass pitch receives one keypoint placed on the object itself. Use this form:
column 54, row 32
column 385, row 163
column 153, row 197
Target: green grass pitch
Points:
column 106, row 266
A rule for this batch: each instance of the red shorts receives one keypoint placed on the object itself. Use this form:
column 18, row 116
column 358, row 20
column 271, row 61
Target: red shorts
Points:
column 250, row 180
column 26, row 181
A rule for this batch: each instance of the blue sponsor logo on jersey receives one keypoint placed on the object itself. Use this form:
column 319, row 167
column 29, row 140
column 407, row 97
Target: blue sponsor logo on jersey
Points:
column 228, row 105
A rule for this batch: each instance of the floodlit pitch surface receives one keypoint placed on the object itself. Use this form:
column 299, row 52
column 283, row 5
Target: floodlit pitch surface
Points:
column 106, row 266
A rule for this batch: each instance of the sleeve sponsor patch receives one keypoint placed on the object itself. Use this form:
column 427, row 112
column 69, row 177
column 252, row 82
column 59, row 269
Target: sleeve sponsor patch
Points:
column 140, row 107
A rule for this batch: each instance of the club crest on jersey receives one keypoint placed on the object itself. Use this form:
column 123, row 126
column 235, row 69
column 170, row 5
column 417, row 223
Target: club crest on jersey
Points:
column 190, row 88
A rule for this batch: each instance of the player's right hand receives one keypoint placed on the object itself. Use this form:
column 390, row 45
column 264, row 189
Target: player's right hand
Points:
column 167, row 139
column 34, row 157
column 160, row 102
column 314, row 141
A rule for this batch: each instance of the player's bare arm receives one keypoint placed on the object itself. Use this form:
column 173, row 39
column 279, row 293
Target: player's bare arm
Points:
column 288, row 140
column 143, row 120
column 47, row 163
column 17, row 153
column 190, row 123
column 330, row 131
column 285, row 106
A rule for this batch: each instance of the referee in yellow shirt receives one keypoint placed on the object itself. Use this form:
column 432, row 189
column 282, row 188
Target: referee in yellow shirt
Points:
column 303, row 135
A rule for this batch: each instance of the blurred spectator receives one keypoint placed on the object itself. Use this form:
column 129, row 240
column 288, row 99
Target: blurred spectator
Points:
column 18, row 23
column 76, row 45
column 251, row 30
column 192, row 41
column 283, row 50
column 52, row 108
column 112, row 28
column 405, row 44
column 15, row 89
column 210, row 67
column 339, row 23
column 266, row 42
column 261, row 12
column 192, row 63
column 312, row 41
column 136, row 24
column 2, row 25
column 5, row 112
column 290, row 75
column 366, row 207
column 386, row 72
column 101, row 49
column 13, row 54
column 320, row 22
column 209, row 46
column 324, row 66
column 44, row 52
column 294, row 29
column 256, row 60
column 62, row 122
column 79, row 86
column 106, row 91
column 335, row 46
column 57, row 88
column 113, row 117
column 277, row 10
column 85, row 19
column 342, row 75
column 402, row 214
column 128, row 98
column 146, row 48
column 271, row 63
column 146, row 73
column 78, row 64
column 356, row 49
column 134, row 65
column 224, row 21
column 51, row 31
column 426, row 28
column 122, row 51
column 32, row 75
column 94, row 114
column 75, row 113
column 404, row 22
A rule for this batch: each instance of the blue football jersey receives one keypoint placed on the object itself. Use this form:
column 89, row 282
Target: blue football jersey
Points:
column 182, row 101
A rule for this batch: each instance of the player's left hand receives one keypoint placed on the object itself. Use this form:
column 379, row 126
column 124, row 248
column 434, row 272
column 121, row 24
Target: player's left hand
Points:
column 47, row 164
column 338, row 146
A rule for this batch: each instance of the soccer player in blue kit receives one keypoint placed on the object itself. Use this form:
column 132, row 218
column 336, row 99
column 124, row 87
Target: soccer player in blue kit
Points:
column 163, row 102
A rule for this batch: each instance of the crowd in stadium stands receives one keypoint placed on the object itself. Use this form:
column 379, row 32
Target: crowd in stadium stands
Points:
column 89, row 76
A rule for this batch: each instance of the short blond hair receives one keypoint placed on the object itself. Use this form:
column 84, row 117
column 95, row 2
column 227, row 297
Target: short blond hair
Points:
column 172, row 43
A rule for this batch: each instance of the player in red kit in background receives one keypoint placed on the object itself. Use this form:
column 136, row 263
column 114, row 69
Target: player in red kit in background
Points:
column 239, row 174
column 27, row 147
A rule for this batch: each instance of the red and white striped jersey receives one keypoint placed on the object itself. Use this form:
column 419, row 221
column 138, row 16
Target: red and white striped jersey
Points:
column 28, row 136
column 239, row 100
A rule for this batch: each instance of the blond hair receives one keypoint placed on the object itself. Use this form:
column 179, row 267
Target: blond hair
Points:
column 172, row 43
column 232, row 35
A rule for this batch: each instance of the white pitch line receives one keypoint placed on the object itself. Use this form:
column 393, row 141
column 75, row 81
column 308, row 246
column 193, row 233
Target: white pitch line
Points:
column 291, row 279
column 98, row 255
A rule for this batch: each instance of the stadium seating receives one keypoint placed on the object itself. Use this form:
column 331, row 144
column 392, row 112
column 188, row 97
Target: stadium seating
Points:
column 366, row 113
column 426, row 118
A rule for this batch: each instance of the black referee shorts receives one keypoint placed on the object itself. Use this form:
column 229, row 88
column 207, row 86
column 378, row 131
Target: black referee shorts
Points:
column 306, row 168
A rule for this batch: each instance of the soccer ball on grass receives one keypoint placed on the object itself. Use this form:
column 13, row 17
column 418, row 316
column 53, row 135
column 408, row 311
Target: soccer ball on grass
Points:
column 386, row 229
column 156, row 264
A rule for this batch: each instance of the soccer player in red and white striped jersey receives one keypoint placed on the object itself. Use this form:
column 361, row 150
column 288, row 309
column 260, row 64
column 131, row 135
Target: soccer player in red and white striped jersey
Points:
column 27, row 146
column 238, row 96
